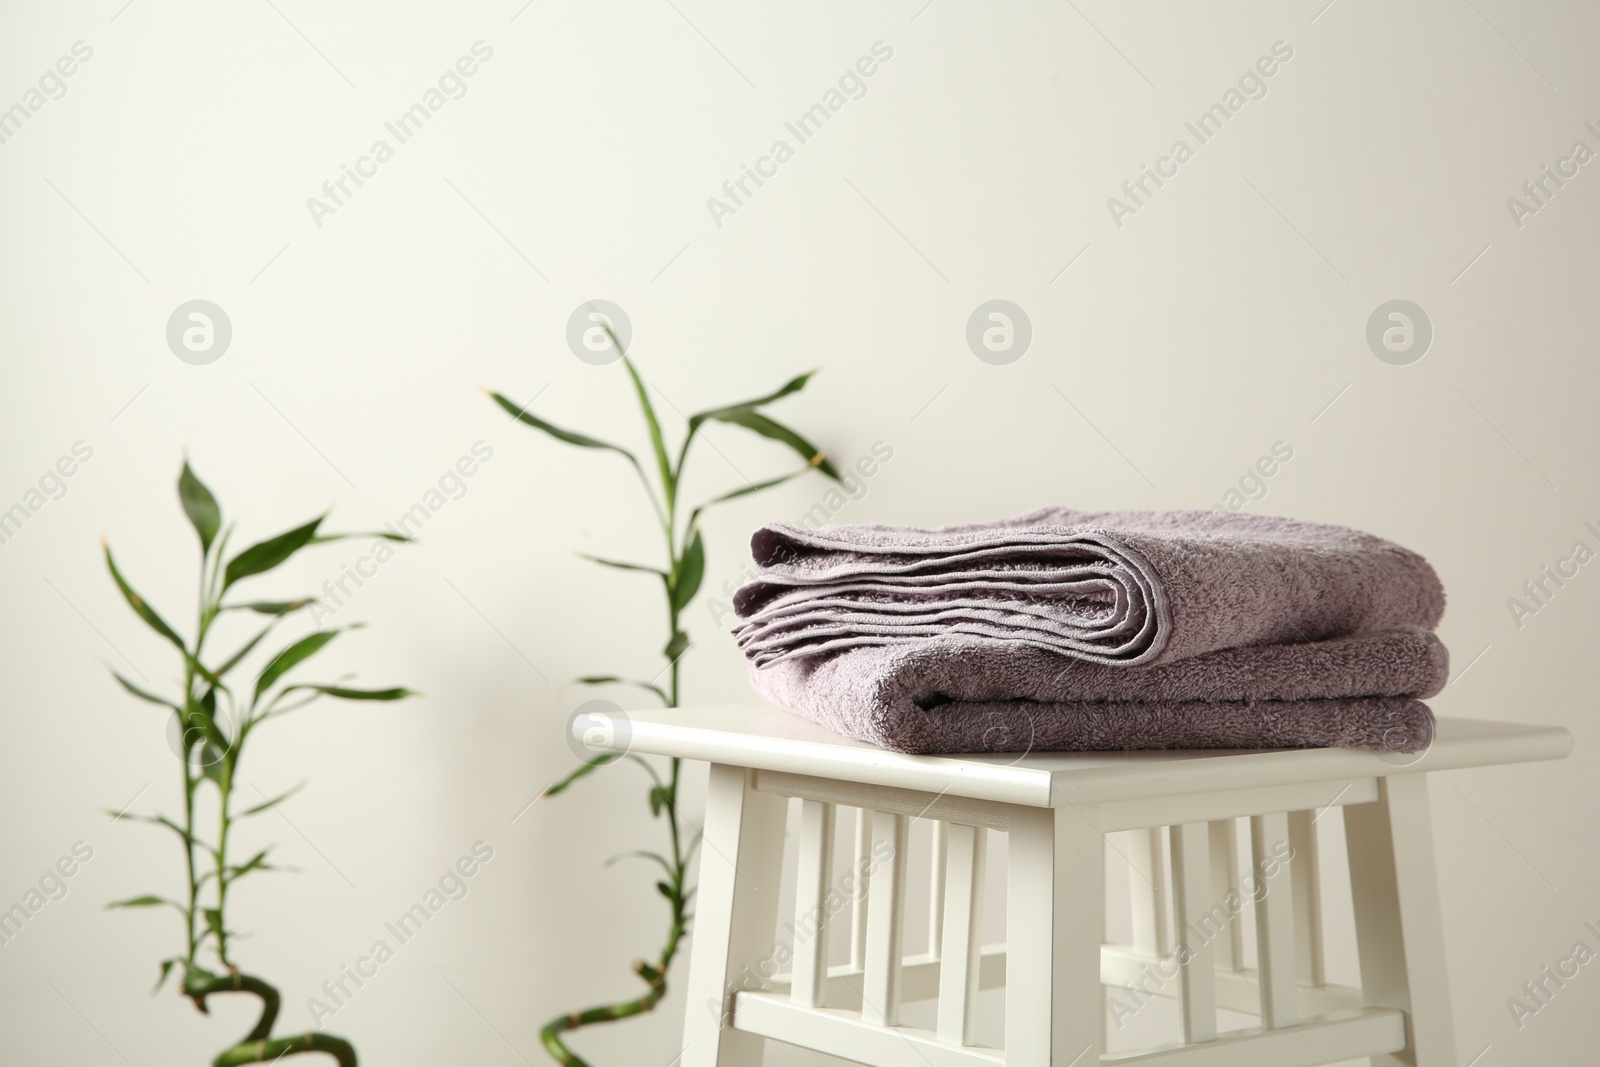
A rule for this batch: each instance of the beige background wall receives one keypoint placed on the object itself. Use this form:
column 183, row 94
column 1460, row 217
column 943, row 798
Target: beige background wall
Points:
column 1226, row 314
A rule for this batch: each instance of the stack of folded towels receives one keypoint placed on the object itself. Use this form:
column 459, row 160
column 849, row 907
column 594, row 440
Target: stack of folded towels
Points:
column 1071, row 630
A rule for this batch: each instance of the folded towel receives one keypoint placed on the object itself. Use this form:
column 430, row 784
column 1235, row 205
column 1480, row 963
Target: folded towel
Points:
column 1068, row 630
column 966, row 694
column 1129, row 588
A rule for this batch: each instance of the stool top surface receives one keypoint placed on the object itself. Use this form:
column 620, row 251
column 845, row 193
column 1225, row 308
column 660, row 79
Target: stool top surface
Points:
column 765, row 737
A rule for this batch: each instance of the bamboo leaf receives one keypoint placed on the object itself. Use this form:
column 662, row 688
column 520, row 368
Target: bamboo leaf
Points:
column 201, row 715
column 156, row 821
column 644, row 763
column 140, row 608
column 642, row 854
column 142, row 695
column 292, row 656
column 214, row 744
column 658, row 799
column 271, row 607
column 769, row 428
column 343, row 693
column 612, row 679
column 677, row 646
column 691, row 571
column 166, row 968
column 258, row 862
column 794, row 385
column 265, row 804
column 746, row 490
column 323, row 539
column 162, row 820
column 583, row 770
column 244, row 650
column 669, row 483
column 726, row 413
column 265, row 555
column 145, row 902
column 581, row 440
column 622, row 565
column 212, row 757
column 214, row 922
column 205, row 514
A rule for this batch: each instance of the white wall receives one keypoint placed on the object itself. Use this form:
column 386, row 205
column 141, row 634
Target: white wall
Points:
column 1224, row 316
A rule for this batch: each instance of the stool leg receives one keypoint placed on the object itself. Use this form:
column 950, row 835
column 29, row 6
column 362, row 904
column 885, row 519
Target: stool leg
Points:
column 736, row 912
column 1054, row 915
column 1399, row 934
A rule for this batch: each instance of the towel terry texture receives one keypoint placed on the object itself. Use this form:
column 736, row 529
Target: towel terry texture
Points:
column 1065, row 630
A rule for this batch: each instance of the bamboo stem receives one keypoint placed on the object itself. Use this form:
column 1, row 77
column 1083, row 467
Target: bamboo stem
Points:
column 257, row 1046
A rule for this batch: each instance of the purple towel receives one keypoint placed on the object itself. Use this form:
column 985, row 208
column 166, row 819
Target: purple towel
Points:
column 1065, row 630
column 1135, row 587
column 965, row 694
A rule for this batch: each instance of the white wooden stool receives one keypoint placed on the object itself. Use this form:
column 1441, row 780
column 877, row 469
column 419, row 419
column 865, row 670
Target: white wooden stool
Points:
column 747, row 984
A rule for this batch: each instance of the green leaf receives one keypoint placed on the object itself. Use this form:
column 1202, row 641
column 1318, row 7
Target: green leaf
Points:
column 265, row 804
column 343, row 693
column 658, row 799
column 205, row 514
column 292, row 656
column 162, row 820
column 582, row 441
column 754, row 487
column 265, row 555
column 667, row 891
column 271, row 607
column 610, row 679
column 142, row 695
column 214, row 744
column 244, row 650
column 258, row 862
column 677, row 646
column 583, row 770
column 769, row 428
column 669, row 483
column 191, row 727
column 323, row 539
column 644, row 764
column 214, row 756
column 144, row 902
column 642, row 854
column 622, row 566
column 166, row 967
column 214, row 922
column 794, row 385
column 140, row 608
column 691, row 571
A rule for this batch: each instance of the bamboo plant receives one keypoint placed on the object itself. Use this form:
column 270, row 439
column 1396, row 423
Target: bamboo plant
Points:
column 684, row 558
column 215, row 719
